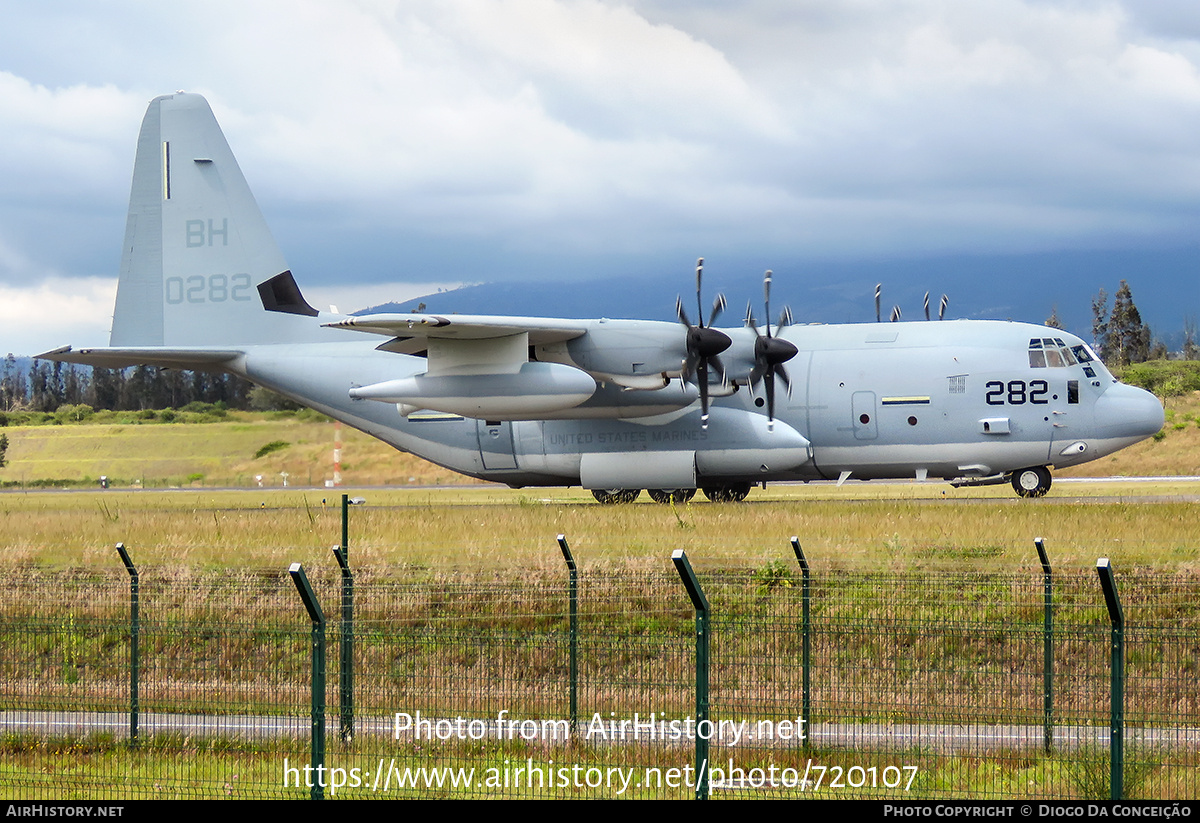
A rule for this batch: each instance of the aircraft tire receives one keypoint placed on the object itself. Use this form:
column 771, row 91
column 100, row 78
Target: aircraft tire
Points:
column 611, row 497
column 1031, row 482
column 671, row 495
column 734, row 493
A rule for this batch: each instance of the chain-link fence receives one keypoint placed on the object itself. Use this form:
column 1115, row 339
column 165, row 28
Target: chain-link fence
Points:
column 892, row 685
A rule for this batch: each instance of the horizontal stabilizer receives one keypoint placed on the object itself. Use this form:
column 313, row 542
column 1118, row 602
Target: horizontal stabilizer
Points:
column 119, row 358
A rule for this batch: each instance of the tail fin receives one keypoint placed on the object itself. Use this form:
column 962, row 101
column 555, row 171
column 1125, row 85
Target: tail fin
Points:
column 199, row 262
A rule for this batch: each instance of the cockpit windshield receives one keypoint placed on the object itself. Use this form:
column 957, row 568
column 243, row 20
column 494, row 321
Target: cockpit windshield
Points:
column 1053, row 353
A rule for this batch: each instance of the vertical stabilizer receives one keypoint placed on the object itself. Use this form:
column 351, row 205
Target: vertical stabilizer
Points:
column 196, row 245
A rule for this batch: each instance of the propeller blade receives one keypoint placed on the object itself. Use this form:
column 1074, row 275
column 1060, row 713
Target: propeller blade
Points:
column 781, row 372
column 718, row 307
column 942, row 307
column 785, row 318
column 716, row 363
column 895, row 313
column 771, row 402
column 878, row 291
column 767, row 299
column 683, row 318
column 926, row 305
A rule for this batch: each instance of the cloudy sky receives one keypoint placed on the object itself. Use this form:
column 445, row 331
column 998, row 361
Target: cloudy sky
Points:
column 401, row 145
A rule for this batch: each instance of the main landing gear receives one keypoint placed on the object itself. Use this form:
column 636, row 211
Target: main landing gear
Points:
column 671, row 495
column 611, row 497
column 733, row 493
column 1031, row 482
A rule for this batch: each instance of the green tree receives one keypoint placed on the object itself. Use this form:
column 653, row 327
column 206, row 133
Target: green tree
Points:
column 1128, row 337
column 1100, row 324
column 3, row 450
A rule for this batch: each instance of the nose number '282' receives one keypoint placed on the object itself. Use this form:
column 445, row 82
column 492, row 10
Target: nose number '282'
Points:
column 1016, row 392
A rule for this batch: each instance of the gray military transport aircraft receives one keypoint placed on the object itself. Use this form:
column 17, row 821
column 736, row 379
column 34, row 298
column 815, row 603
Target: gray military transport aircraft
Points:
column 615, row 406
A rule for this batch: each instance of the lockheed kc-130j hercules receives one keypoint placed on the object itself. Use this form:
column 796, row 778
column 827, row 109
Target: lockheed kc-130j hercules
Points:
column 615, row 406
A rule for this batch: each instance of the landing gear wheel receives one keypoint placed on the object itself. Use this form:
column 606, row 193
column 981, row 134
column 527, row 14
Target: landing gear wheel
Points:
column 671, row 495
column 734, row 493
column 1031, row 482
column 611, row 497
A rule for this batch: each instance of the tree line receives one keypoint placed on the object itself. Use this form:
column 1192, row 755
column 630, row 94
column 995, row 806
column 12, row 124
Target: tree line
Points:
column 46, row 386
column 1120, row 337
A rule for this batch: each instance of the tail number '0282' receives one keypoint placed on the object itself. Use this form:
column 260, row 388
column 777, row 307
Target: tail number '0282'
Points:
column 1016, row 392
column 215, row 288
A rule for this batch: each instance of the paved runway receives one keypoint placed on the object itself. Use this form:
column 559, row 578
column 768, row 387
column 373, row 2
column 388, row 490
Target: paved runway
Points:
column 879, row 737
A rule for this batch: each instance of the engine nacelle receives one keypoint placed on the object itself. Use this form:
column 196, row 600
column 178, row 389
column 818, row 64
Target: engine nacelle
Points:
column 533, row 390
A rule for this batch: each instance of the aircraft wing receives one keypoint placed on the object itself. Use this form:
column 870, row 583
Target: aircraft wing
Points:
column 411, row 331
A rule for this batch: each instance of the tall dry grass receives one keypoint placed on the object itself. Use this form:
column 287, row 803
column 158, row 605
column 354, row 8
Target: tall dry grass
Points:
column 890, row 527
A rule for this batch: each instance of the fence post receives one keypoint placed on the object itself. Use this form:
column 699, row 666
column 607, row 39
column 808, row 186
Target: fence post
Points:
column 700, row 603
column 346, row 669
column 806, row 641
column 1116, row 732
column 134, row 661
column 346, row 525
column 309, row 598
column 1047, row 646
column 346, row 643
column 573, row 631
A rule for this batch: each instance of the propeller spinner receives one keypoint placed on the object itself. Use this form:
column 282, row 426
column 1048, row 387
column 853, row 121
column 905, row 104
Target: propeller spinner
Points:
column 704, row 343
column 771, row 352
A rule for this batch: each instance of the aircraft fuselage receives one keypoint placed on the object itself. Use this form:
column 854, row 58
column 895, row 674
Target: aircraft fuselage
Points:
column 954, row 399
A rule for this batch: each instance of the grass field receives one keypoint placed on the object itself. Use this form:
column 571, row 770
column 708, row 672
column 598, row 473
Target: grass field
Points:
column 890, row 526
column 158, row 455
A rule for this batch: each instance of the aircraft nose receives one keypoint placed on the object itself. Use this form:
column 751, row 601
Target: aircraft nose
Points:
column 1127, row 411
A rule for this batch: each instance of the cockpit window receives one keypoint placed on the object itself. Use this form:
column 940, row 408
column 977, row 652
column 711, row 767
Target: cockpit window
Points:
column 1052, row 353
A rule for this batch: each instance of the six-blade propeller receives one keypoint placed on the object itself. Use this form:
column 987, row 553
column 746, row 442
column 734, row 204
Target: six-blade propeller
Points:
column 771, row 352
column 704, row 343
